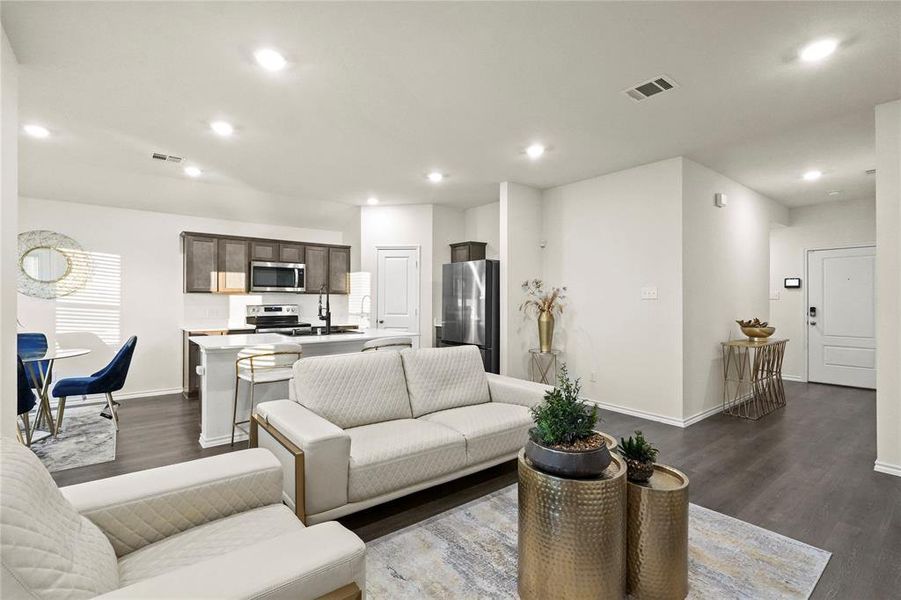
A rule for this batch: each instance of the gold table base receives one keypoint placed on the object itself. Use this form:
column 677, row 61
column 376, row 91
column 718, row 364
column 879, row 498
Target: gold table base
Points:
column 572, row 534
column 752, row 377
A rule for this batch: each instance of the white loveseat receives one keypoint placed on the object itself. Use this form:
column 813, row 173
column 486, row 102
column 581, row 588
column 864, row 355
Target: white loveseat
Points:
column 366, row 428
column 210, row 528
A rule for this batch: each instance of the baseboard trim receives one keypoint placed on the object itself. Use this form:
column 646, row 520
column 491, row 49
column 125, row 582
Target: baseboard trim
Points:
column 133, row 395
column 797, row 378
column 650, row 416
column 887, row 468
column 713, row 410
column 221, row 440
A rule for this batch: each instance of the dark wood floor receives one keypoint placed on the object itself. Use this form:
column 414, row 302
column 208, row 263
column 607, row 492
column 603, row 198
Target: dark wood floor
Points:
column 805, row 472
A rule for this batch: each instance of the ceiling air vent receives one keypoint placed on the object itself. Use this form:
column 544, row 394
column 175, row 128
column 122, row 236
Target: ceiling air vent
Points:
column 167, row 157
column 649, row 88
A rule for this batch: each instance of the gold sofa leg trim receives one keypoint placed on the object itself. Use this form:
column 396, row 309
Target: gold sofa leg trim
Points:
column 348, row 592
column 299, row 490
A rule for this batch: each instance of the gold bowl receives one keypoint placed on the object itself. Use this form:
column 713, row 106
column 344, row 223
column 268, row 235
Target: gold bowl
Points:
column 757, row 334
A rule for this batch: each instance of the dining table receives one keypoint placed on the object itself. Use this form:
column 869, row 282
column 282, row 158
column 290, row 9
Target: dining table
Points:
column 39, row 368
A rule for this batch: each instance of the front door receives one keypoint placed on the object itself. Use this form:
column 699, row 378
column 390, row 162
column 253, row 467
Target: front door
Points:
column 397, row 282
column 841, row 316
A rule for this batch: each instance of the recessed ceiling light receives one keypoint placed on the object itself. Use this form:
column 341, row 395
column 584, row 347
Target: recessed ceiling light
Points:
column 37, row 131
column 193, row 172
column 436, row 177
column 818, row 50
column 222, row 128
column 535, row 151
column 372, row 201
column 833, row 192
column 812, row 175
column 269, row 59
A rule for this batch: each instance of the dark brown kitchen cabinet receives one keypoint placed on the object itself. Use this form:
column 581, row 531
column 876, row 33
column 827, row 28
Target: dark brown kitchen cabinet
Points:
column 233, row 261
column 464, row 251
column 316, row 268
column 338, row 270
column 264, row 250
column 290, row 253
column 201, row 272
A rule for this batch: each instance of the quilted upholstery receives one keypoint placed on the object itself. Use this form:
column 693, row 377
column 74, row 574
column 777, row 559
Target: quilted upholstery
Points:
column 206, row 541
column 491, row 430
column 138, row 509
column 510, row 390
column 353, row 389
column 47, row 549
column 394, row 454
column 442, row 378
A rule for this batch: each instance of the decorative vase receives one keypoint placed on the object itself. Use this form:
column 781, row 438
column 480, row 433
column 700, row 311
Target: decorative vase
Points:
column 545, row 331
column 639, row 472
column 572, row 464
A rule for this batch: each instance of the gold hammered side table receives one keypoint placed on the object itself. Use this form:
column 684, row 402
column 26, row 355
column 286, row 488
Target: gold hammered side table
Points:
column 541, row 364
column 657, row 531
column 752, row 377
column 572, row 534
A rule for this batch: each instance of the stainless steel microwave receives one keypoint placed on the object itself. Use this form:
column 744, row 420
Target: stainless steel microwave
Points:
column 276, row 277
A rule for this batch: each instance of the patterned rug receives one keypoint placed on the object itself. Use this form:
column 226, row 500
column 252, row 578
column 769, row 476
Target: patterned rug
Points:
column 470, row 552
column 86, row 439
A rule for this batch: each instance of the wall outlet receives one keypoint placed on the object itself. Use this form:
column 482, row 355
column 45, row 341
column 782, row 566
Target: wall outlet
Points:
column 649, row 293
column 593, row 377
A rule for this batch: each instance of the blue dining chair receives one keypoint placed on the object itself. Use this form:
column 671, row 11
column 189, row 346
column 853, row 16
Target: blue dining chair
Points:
column 107, row 380
column 24, row 402
column 30, row 344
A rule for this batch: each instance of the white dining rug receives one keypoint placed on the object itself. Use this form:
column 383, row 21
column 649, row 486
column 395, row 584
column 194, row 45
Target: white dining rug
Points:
column 470, row 552
column 85, row 439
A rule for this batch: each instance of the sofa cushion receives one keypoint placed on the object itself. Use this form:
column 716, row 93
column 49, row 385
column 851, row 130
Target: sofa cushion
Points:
column 389, row 456
column 206, row 541
column 353, row 389
column 491, row 430
column 47, row 549
column 442, row 378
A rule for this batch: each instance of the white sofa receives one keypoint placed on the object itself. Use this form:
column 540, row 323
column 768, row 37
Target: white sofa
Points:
column 210, row 528
column 366, row 428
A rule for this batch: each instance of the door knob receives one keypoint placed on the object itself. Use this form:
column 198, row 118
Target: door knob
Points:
column 813, row 322
column 381, row 321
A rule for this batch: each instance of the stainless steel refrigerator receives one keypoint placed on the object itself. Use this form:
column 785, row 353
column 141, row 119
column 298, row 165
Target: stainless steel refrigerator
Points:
column 470, row 308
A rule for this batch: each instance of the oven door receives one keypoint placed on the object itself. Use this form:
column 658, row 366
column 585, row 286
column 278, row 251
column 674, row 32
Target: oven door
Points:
column 276, row 277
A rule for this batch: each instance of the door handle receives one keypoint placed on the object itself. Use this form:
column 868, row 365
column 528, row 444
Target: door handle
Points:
column 381, row 321
column 813, row 322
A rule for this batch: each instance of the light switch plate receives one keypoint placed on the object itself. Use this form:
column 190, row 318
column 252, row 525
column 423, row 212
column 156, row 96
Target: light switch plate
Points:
column 649, row 293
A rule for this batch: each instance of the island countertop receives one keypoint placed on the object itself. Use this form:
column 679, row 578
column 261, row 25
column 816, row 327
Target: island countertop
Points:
column 234, row 342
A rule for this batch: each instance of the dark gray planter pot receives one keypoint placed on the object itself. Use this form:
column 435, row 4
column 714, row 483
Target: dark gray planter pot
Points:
column 572, row 465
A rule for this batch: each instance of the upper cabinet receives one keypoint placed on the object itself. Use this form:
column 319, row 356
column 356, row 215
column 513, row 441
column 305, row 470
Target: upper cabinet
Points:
column 201, row 273
column 290, row 253
column 316, row 268
column 338, row 270
column 265, row 250
column 233, row 261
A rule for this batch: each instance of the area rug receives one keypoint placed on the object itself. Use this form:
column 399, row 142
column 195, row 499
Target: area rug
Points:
column 86, row 439
column 470, row 552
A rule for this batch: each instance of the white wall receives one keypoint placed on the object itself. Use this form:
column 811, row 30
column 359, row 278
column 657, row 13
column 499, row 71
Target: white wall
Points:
column 725, row 276
column 407, row 224
column 888, row 287
column 448, row 227
column 829, row 225
column 483, row 225
column 9, row 199
column 608, row 237
column 139, row 255
column 520, row 257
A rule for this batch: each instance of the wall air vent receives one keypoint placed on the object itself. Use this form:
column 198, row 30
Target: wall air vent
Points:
column 167, row 157
column 870, row 171
column 652, row 87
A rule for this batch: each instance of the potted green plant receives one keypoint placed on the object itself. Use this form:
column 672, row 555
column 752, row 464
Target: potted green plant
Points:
column 640, row 455
column 563, row 441
column 544, row 304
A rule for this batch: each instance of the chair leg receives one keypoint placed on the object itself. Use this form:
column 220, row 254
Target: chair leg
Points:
column 60, row 410
column 25, row 420
column 19, row 434
column 235, row 409
column 112, row 409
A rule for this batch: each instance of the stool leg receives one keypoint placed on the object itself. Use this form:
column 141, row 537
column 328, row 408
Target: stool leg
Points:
column 60, row 410
column 112, row 409
column 235, row 409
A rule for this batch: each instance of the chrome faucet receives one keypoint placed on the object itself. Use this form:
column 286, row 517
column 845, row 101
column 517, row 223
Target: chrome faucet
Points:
column 328, row 310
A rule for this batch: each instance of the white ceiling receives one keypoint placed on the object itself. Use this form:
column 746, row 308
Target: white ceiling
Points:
column 378, row 94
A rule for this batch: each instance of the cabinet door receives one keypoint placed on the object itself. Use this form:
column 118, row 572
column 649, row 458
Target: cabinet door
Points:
column 460, row 253
column 316, row 261
column 264, row 250
column 233, row 264
column 338, row 270
column 290, row 253
column 201, row 263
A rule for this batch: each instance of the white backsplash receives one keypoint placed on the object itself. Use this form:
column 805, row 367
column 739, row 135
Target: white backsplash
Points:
column 216, row 311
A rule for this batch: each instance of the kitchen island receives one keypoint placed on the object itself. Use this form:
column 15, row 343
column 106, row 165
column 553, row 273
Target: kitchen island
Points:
column 217, row 372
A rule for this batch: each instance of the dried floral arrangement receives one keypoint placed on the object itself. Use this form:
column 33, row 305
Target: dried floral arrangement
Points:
column 540, row 300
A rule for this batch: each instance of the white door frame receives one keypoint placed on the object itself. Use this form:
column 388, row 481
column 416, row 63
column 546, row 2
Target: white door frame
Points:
column 806, row 307
column 378, row 280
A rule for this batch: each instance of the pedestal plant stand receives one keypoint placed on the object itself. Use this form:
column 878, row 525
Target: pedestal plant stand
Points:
column 572, row 534
column 657, row 532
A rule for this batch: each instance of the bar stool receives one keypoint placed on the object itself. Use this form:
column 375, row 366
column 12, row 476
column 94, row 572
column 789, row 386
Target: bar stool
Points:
column 269, row 363
column 395, row 343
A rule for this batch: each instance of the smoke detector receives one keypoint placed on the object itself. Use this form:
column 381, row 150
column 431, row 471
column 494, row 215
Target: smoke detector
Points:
column 651, row 87
column 167, row 157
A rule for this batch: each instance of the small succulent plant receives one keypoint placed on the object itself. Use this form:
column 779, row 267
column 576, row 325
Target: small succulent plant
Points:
column 638, row 449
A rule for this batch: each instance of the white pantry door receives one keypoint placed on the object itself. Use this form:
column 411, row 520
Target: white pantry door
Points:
column 841, row 316
column 398, row 289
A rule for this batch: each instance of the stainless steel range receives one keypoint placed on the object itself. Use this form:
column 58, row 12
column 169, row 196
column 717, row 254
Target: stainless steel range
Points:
column 277, row 318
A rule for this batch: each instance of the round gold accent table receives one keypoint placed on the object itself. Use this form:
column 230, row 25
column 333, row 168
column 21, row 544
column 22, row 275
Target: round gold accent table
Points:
column 658, row 536
column 572, row 534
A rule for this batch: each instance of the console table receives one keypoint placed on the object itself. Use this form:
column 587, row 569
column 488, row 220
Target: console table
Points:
column 752, row 377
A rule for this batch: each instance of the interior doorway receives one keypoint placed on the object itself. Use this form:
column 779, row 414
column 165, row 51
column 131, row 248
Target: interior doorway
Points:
column 841, row 316
column 397, row 288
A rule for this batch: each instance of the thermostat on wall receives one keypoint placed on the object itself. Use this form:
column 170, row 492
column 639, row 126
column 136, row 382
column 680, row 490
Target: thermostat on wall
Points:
column 720, row 200
column 792, row 282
